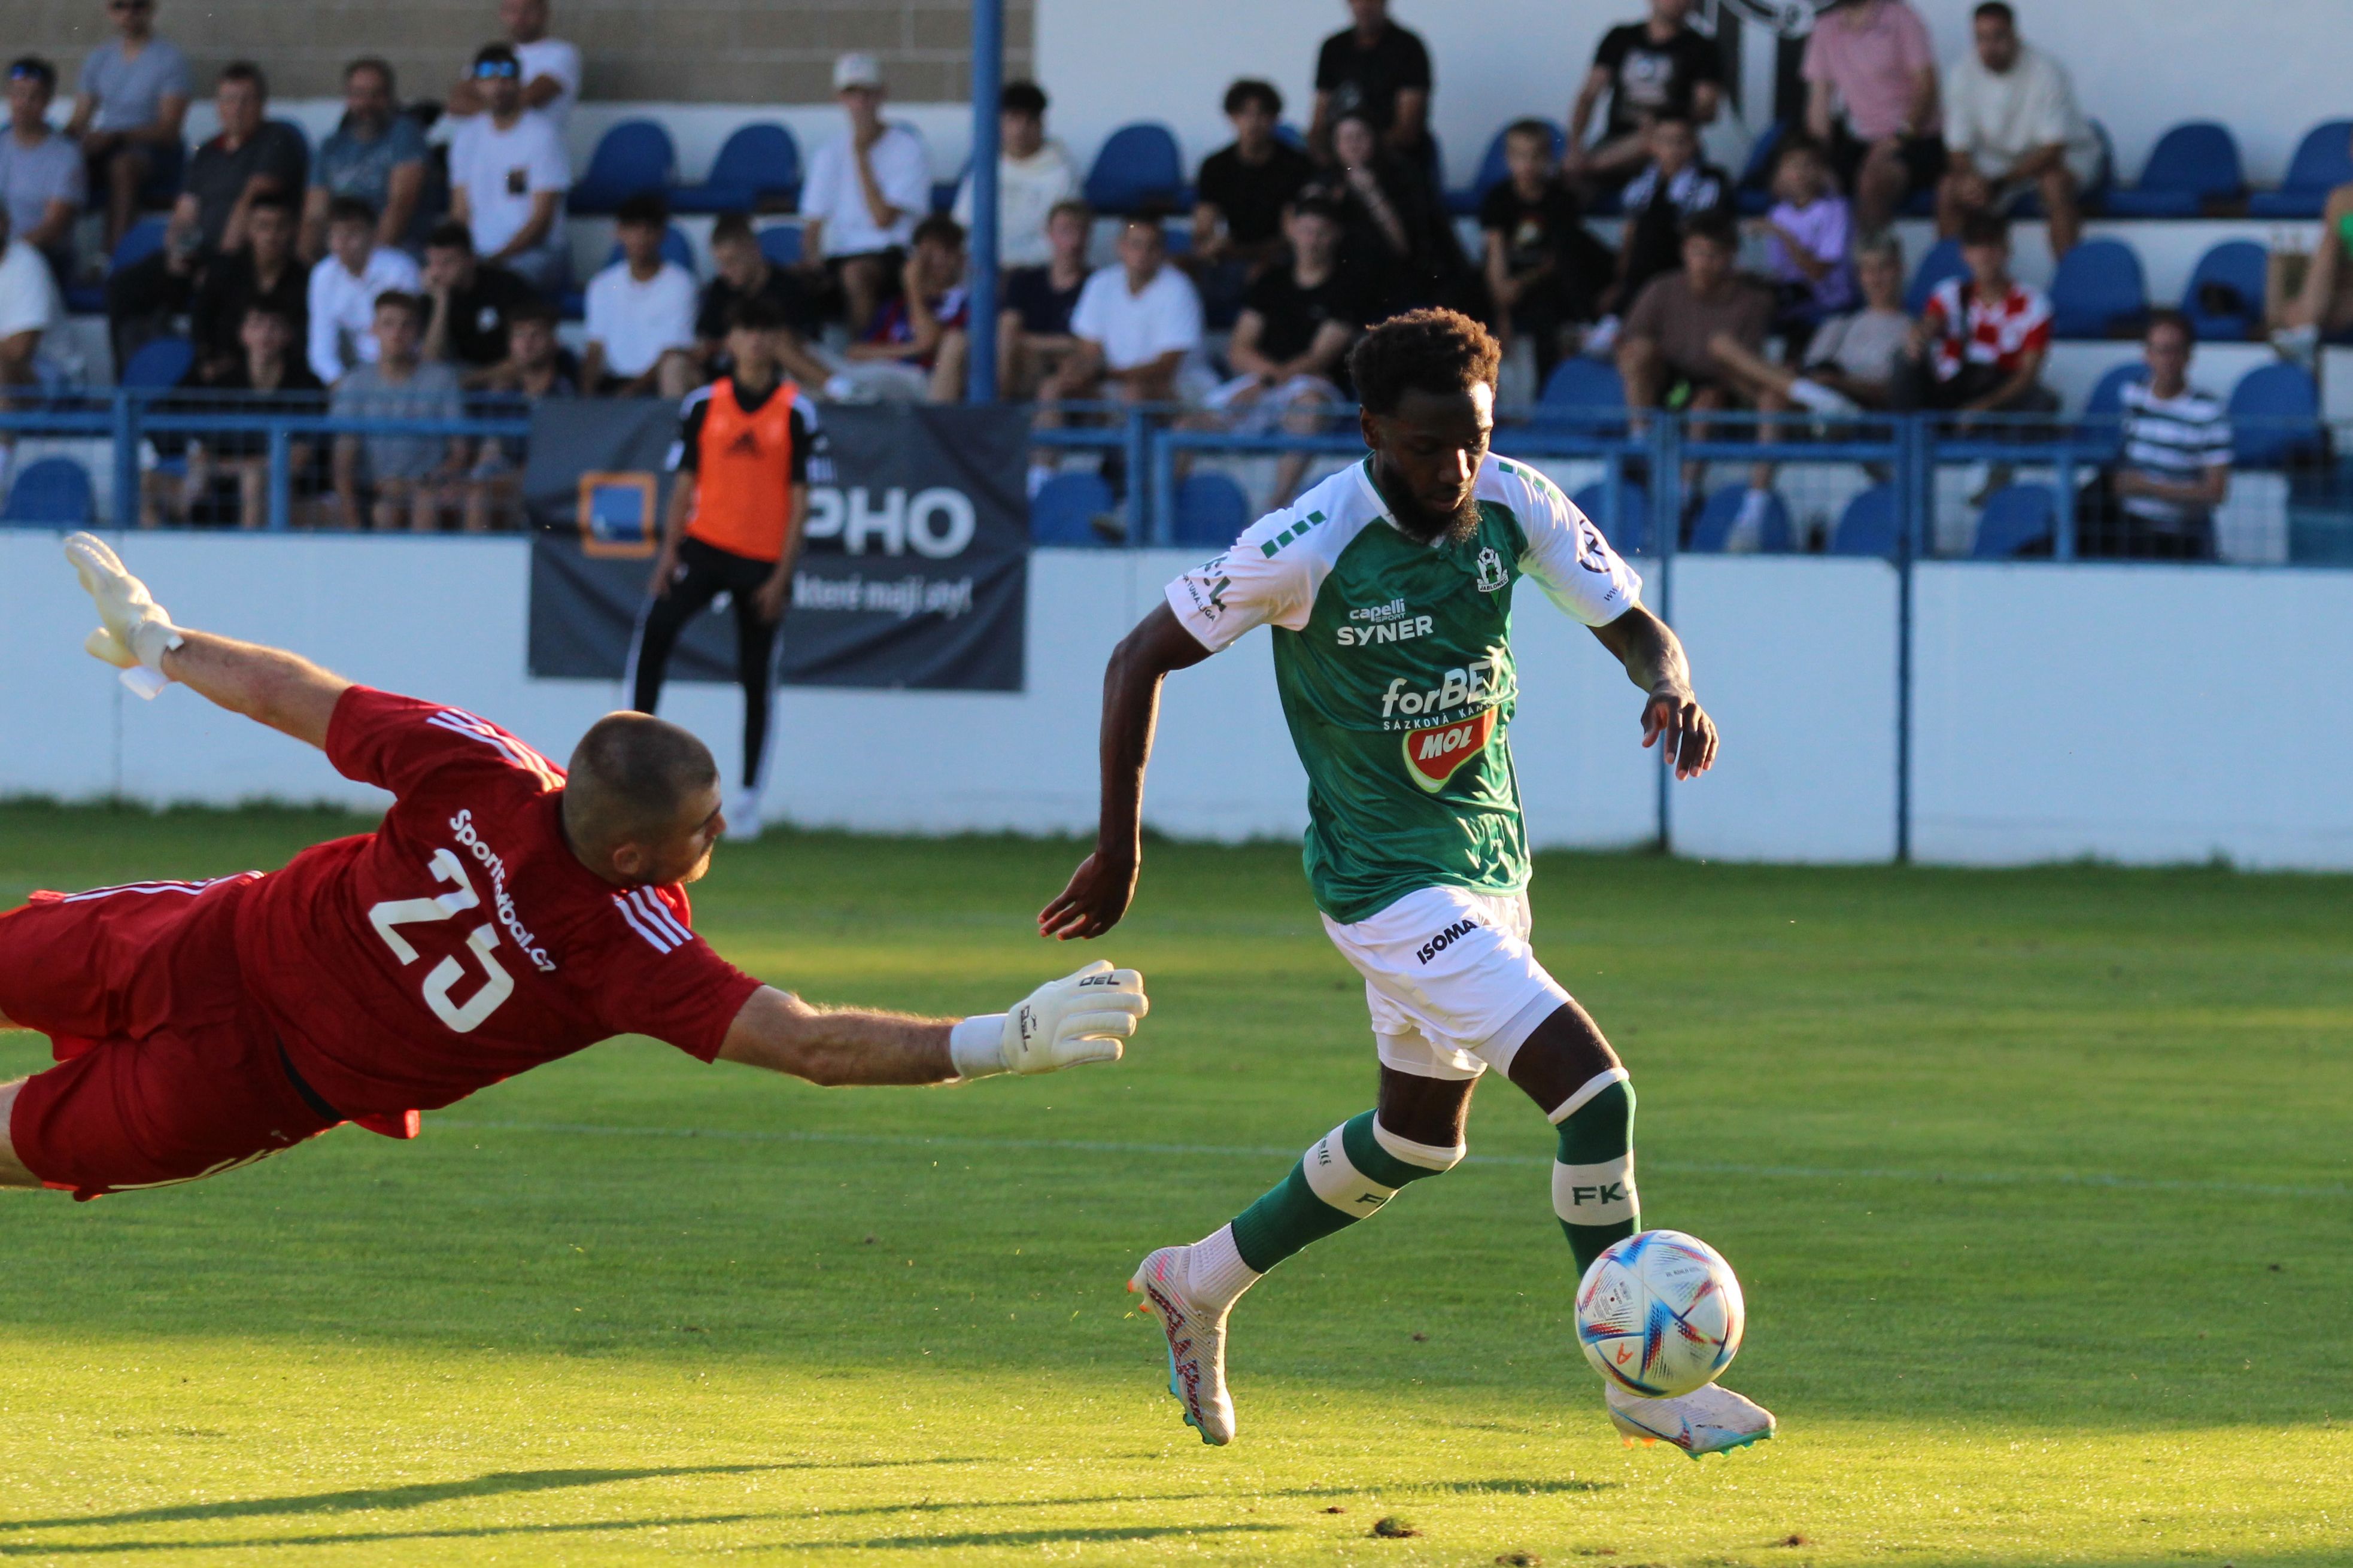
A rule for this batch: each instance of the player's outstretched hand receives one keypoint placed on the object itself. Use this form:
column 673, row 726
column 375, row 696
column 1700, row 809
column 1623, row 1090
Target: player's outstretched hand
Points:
column 133, row 630
column 1677, row 720
column 1082, row 1018
column 1093, row 903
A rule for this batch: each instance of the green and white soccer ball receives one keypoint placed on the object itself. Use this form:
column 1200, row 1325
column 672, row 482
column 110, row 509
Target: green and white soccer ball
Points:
column 1661, row 1314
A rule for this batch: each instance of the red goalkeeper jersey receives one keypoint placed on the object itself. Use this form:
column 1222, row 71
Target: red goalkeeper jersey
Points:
column 461, row 943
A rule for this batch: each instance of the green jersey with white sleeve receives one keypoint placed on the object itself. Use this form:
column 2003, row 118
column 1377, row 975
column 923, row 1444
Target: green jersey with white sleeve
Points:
column 1393, row 658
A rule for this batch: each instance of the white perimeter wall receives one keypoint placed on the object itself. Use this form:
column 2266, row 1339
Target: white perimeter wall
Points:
column 2268, row 70
column 2147, row 713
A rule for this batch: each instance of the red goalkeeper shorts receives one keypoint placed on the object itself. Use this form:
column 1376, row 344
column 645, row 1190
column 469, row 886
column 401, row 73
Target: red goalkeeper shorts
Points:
column 166, row 1070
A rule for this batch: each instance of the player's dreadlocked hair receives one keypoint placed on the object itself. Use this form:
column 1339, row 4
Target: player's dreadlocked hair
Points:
column 1443, row 352
column 628, row 777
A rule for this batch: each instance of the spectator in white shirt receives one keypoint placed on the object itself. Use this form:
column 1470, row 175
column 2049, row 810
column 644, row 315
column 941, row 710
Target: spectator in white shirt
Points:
column 1032, row 174
column 864, row 194
column 641, row 314
column 29, row 307
column 508, row 175
column 1138, row 323
column 2012, row 125
column 344, row 286
column 551, row 68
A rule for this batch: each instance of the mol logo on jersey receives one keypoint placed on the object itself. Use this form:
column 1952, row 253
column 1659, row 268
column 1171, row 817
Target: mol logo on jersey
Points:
column 1433, row 756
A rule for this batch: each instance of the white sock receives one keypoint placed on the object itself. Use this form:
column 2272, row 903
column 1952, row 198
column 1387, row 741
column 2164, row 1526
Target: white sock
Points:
column 1601, row 338
column 1217, row 1275
column 1038, row 474
column 1813, row 395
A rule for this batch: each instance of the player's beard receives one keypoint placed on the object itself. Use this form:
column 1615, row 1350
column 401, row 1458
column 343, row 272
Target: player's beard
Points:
column 1419, row 522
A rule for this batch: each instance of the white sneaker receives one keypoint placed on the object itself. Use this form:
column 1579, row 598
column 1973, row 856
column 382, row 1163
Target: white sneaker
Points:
column 2301, row 345
column 1821, row 399
column 1196, row 1342
column 743, row 814
column 1710, row 1420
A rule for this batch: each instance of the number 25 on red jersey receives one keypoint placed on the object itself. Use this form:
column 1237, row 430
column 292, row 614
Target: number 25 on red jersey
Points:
column 443, row 978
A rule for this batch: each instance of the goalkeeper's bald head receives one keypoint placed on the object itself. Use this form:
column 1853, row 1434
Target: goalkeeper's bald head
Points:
column 642, row 803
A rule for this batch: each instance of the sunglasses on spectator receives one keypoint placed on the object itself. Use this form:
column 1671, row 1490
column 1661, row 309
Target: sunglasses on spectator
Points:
column 491, row 70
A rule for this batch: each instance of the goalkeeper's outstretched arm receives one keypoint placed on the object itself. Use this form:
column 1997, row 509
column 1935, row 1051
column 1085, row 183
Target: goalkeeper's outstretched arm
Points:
column 136, row 634
column 1082, row 1017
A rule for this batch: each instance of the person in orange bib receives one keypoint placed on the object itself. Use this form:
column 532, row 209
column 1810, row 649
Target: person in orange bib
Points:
column 736, row 511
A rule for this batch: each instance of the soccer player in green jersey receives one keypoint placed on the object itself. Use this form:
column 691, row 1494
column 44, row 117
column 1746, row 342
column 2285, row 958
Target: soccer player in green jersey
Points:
column 1389, row 587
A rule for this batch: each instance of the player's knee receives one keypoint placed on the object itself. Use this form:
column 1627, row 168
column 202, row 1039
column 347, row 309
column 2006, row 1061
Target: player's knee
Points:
column 1417, row 1160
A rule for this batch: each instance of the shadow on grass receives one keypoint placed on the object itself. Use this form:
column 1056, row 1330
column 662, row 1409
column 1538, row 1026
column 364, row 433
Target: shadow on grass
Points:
column 1110, row 1533
column 362, row 1538
column 423, row 1494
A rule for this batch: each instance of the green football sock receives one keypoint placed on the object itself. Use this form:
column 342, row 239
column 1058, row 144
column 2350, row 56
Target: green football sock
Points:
column 1349, row 1174
column 1593, row 1176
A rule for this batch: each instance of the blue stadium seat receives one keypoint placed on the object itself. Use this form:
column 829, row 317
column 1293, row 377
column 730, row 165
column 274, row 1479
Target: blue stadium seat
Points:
column 2323, row 161
column 2193, row 166
column 1493, row 172
column 139, row 241
column 158, row 362
column 1065, row 507
column 781, row 244
column 1578, row 386
column 1713, row 532
column 1943, row 261
column 1138, row 168
column 1867, row 526
column 2107, row 404
column 1630, row 527
column 675, row 248
column 2275, row 417
column 756, row 163
column 2098, row 291
column 51, row 490
column 1752, row 192
column 2234, row 266
column 634, row 157
column 2016, row 518
column 1211, row 512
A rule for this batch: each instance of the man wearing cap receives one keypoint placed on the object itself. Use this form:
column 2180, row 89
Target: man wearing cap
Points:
column 864, row 194
column 41, row 179
column 508, row 175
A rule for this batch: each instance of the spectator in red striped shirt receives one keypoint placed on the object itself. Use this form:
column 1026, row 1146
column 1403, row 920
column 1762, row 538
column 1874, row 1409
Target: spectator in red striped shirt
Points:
column 1982, row 340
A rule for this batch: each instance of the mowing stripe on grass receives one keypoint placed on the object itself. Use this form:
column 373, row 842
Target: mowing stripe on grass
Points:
column 1687, row 1167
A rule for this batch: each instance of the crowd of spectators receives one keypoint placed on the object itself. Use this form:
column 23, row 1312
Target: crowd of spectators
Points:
column 407, row 265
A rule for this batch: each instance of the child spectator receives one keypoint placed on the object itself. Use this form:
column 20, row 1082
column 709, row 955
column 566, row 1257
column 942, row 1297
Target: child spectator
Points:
column 1033, row 330
column 535, row 367
column 742, row 272
column 1982, row 340
column 402, row 477
column 1545, row 270
column 1032, row 174
column 1807, row 236
column 508, row 174
column 1851, row 363
column 640, row 313
column 268, row 376
column 917, row 346
column 266, row 273
column 344, row 287
column 43, row 182
column 1674, row 190
column 2175, row 466
column 470, row 304
column 129, row 107
column 376, row 155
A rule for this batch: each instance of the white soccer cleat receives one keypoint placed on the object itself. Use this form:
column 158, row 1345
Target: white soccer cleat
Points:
column 1197, row 1343
column 743, row 814
column 1710, row 1420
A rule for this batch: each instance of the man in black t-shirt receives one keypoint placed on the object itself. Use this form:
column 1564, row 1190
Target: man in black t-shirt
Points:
column 1243, row 188
column 1290, row 347
column 1658, row 66
column 473, row 301
column 266, row 273
column 1033, row 329
column 741, row 272
column 1545, row 272
column 1377, row 69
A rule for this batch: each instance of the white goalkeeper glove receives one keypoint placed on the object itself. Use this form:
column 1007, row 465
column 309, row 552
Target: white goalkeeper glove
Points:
column 1078, row 1018
column 134, row 633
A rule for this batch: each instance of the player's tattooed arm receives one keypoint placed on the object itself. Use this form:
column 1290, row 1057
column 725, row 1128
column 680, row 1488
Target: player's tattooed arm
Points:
column 1099, row 891
column 778, row 1031
column 1654, row 657
column 267, row 685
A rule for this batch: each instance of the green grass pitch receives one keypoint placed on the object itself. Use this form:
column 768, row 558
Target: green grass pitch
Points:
column 2038, row 1181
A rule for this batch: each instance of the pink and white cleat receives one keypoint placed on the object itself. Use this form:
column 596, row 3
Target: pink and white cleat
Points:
column 1196, row 1342
column 1709, row 1420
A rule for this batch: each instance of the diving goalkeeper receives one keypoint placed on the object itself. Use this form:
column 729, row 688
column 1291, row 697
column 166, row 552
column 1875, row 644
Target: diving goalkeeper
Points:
column 507, row 912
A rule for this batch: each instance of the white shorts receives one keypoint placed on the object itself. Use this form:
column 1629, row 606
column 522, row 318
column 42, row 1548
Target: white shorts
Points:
column 1452, row 982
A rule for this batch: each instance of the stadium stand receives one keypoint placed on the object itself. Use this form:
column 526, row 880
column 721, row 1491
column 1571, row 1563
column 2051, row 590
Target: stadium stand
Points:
column 1492, row 171
column 1625, row 527
column 1942, row 260
column 781, row 244
column 1065, row 507
column 2194, row 168
column 1580, row 388
column 1712, row 533
column 758, row 165
column 51, row 490
column 1867, row 526
column 2275, row 417
column 2234, row 268
column 633, row 157
column 2098, row 291
column 159, row 363
column 2015, row 520
column 1211, row 511
column 2323, row 161
column 1137, row 170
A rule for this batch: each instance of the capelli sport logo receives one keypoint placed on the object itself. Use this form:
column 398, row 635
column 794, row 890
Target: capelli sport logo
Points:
column 1435, row 755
